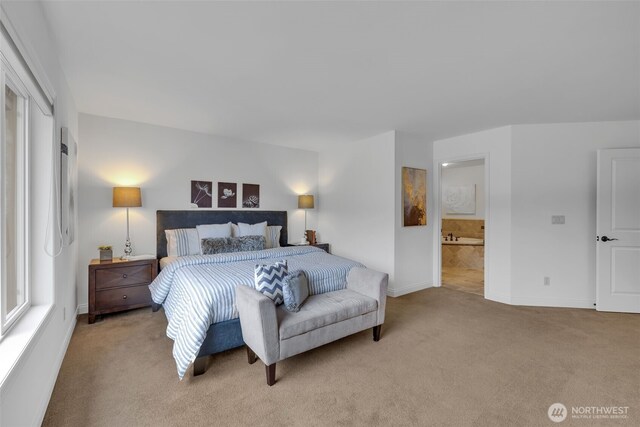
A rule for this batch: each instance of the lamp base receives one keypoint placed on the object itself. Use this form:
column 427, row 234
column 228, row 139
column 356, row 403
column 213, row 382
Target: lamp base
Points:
column 127, row 249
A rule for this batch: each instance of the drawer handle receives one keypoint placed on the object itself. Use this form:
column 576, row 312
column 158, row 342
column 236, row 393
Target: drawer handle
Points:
column 124, row 276
column 124, row 297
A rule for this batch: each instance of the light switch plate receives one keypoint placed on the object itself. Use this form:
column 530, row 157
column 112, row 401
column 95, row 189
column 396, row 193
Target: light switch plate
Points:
column 557, row 219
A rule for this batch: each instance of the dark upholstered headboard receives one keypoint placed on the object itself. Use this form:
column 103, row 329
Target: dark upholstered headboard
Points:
column 169, row 220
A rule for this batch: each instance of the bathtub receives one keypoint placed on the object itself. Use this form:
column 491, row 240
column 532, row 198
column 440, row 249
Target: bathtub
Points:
column 468, row 241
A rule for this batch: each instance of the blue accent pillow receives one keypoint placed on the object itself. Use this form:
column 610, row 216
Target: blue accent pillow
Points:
column 269, row 279
column 295, row 290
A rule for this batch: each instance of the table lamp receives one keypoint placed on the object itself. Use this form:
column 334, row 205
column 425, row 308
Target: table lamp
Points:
column 305, row 201
column 127, row 197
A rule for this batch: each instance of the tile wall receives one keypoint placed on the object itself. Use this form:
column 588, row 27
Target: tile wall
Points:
column 463, row 256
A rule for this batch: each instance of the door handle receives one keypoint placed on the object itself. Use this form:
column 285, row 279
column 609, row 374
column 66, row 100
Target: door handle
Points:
column 606, row 239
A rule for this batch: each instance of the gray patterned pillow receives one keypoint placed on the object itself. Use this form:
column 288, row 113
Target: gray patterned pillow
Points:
column 220, row 245
column 214, row 245
column 295, row 290
column 248, row 243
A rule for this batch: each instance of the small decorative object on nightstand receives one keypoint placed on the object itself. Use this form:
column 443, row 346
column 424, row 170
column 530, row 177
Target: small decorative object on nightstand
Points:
column 119, row 285
column 106, row 253
column 311, row 237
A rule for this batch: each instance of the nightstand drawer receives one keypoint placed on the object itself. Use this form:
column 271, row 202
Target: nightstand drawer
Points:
column 129, row 296
column 123, row 276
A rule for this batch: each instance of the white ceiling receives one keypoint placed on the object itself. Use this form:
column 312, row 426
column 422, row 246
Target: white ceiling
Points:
column 314, row 74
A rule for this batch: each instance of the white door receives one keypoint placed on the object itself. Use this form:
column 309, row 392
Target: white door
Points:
column 618, row 231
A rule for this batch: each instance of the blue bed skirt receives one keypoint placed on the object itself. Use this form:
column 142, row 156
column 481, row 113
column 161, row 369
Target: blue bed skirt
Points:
column 222, row 336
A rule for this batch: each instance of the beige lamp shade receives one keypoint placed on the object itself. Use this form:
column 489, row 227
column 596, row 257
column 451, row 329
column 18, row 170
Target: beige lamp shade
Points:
column 126, row 197
column 305, row 201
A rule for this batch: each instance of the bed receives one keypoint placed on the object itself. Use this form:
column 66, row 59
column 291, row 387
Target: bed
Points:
column 198, row 291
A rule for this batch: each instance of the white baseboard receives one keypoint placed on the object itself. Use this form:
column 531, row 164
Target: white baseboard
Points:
column 506, row 299
column 393, row 292
column 82, row 309
column 501, row 298
column 57, row 362
column 553, row 302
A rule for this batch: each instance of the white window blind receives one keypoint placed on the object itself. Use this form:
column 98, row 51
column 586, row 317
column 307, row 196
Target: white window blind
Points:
column 21, row 100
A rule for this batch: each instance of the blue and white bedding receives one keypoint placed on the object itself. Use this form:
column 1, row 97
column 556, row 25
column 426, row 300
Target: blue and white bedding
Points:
column 199, row 290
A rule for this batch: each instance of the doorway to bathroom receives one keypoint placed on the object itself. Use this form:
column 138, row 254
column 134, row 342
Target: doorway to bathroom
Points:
column 462, row 204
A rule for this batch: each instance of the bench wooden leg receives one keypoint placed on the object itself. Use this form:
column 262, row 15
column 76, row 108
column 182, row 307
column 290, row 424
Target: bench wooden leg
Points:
column 251, row 356
column 376, row 332
column 271, row 373
column 200, row 365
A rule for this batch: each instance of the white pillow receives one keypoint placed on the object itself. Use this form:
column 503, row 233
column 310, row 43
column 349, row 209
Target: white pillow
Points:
column 259, row 229
column 211, row 231
column 182, row 242
column 273, row 236
column 235, row 231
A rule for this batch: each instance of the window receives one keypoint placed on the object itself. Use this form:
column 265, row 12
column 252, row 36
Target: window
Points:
column 15, row 297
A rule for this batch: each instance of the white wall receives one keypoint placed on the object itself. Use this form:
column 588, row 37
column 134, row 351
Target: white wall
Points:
column 163, row 161
column 361, row 208
column 465, row 175
column 495, row 147
column 357, row 201
column 536, row 171
column 25, row 393
column 554, row 173
column 413, row 269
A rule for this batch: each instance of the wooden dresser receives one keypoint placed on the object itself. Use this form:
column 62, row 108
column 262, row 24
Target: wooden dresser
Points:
column 119, row 285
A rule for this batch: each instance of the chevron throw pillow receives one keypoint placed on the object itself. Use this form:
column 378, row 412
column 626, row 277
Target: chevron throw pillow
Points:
column 269, row 280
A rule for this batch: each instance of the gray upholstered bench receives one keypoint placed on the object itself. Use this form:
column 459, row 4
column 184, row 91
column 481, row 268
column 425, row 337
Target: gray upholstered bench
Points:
column 273, row 334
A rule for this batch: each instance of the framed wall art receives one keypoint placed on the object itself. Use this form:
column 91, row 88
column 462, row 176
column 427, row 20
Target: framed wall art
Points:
column 68, row 165
column 460, row 200
column 414, row 197
column 227, row 195
column 250, row 196
column 201, row 194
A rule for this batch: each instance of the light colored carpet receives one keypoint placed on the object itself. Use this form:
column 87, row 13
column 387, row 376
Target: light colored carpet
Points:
column 445, row 358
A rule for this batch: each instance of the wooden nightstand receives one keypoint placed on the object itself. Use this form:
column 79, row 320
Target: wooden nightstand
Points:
column 119, row 285
column 323, row 246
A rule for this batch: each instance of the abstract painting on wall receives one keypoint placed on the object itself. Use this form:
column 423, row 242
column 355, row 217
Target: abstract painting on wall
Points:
column 68, row 165
column 460, row 200
column 250, row 196
column 201, row 194
column 414, row 196
column 227, row 195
